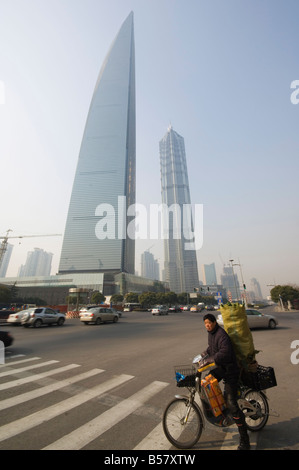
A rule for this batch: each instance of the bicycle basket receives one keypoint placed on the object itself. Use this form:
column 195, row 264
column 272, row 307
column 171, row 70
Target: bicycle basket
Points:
column 262, row 379
column 185, row 376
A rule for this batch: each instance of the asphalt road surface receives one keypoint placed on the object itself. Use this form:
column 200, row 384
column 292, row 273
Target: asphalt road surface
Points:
column 105, row 387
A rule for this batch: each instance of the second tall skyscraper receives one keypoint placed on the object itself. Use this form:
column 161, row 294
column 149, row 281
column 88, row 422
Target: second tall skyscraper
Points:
column 180, row 263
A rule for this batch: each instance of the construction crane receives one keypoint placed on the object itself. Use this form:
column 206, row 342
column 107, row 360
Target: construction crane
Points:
column 5, row 239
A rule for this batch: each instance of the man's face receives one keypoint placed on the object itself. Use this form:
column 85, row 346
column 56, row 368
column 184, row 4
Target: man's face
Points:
column 210, row 325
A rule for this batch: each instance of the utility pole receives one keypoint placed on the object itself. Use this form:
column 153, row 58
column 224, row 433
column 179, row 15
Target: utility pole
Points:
column 244, row 285
column 237, row 291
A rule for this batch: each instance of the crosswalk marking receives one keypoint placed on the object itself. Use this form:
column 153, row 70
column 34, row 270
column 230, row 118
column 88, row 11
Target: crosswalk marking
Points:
column 33, row 378
column 23, row 424
column 155, row 440
column 24, row 369
column 96, row 427
column 117, row 409
column 9, row 402
column 18, row 362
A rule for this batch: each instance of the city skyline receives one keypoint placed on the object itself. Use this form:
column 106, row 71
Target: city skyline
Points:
column 221, row 73
column 38, row 263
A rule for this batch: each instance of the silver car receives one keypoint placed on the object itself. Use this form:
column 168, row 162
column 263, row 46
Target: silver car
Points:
column 256, row 319
column 16, row 318
column 160, row 310
column 39, row 316
column 98, row 315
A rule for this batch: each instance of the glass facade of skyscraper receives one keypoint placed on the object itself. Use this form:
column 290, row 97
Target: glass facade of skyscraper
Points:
column 95, row 234
column 180, row 263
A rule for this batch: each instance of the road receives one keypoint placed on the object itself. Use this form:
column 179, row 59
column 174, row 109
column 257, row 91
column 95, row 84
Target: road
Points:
column 105, row 387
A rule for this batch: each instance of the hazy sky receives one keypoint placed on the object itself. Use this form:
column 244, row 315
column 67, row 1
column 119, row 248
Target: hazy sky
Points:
column 220, row 71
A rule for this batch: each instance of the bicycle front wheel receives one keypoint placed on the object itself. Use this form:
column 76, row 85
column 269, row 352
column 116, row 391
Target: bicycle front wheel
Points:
column 182, row 423
column 257, row 414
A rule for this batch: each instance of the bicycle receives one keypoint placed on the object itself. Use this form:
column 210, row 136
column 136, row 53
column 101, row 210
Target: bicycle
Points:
column 184, row 419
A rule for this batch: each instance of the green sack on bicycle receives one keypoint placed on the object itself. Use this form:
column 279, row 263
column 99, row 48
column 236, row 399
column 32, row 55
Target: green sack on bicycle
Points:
column 236, row 325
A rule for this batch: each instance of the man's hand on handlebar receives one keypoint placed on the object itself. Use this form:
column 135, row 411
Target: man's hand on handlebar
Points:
column 206, row 361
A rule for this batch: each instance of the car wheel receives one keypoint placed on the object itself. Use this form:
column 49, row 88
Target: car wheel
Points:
column 115, row 319
column 272, row 324
column 60, row 322
column 38, row 323
column 98, row 321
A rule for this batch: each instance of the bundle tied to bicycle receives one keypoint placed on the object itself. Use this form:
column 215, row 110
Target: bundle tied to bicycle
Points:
column 236, row 325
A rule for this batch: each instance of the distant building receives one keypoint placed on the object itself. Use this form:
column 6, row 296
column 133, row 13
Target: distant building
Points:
column 180, row 263
column 54, row 289
column 209, row 274
column 6, row 260
column 230, row 282
column 256, row 289
column 149, row 266
column 38, row 263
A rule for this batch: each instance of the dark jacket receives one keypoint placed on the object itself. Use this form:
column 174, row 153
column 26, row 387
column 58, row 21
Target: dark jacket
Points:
column 221, row 349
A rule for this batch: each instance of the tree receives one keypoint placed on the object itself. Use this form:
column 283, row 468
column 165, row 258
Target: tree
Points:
column 284, row 293
column 147, row 299
column 5, row 294
column 115, row 298
column 183, row 298
column 171, row 298
column 97, row 298
column 131, row 297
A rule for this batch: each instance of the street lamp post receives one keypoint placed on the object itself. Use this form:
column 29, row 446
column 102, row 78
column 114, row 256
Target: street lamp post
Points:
column 244, row 286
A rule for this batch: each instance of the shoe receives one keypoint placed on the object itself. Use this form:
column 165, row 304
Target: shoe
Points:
column 244, row 440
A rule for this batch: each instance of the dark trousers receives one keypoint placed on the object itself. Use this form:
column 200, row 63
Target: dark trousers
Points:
column 231, row 396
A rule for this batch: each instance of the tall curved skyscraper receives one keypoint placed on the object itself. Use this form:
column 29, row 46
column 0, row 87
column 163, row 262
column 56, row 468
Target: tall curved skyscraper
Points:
column 104, row 187
column 180, row 262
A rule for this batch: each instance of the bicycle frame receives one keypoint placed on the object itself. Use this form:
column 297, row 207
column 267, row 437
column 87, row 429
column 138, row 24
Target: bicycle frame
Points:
column 223, row 420
column 185, row 417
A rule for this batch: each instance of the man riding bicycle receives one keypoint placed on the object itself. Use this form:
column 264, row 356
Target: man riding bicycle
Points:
column 220, row 350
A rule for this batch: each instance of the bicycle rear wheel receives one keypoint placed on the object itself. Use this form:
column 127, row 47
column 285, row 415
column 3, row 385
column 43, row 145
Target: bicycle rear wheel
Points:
column 256, row 418
column 182, row 423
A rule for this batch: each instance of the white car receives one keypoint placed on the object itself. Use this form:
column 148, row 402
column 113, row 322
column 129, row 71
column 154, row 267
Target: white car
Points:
column 16, row 318
column 160, row 310
column 98, row 315
column 194, row 308
column 256, row 319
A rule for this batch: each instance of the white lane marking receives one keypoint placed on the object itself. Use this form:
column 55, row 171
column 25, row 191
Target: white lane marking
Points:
column 28, row 422
column 88, row 432
column 24, row 369
column 34, row 378
column 22, row 398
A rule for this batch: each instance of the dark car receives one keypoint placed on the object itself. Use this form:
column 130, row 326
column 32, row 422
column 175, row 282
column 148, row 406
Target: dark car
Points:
column 4, row 314
column 174, row 308
column 6, row 338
